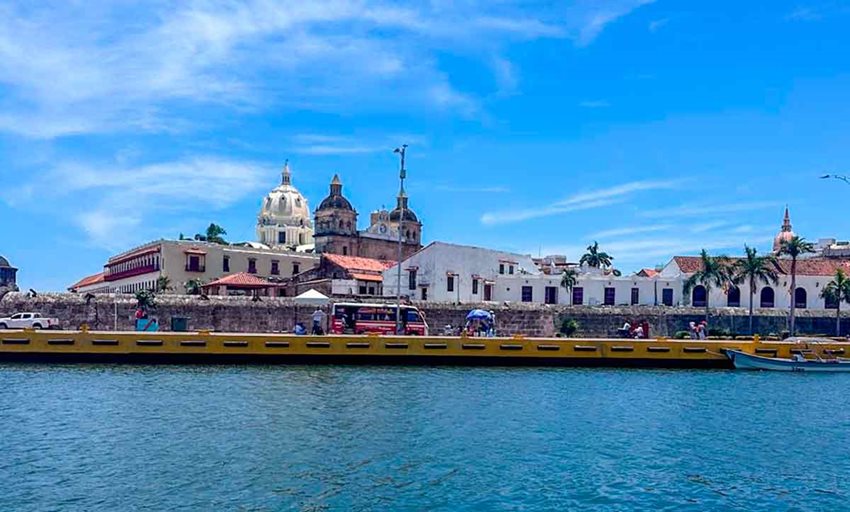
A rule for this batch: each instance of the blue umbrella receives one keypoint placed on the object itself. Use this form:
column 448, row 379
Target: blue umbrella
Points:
column 479, row 314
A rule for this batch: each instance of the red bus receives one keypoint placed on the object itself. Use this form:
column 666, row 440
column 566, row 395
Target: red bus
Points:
column 361, row 318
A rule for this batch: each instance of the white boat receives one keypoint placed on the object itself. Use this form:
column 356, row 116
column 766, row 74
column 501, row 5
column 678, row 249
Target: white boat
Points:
column 744, row 361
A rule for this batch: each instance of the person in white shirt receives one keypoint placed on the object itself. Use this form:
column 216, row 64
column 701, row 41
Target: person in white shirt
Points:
column 318, row 321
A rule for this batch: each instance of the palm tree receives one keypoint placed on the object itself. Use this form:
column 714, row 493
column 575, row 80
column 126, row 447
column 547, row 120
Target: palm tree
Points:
column 568, row 280
column 715, row 273
column 754, row 269
column 794, row 248
column 193, row 286
column 838, row 291
column 213, row 235
column 596, row 258
column 146, row 300
column 163, row 284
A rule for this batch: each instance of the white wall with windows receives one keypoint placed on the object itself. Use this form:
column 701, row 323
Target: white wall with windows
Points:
column 443, row 272
column 591, row 289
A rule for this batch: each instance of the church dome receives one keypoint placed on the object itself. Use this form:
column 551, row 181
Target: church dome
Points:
column 409, row 215
column 4, row 262
column 402, row 206
column 335, row 200
column 785, row 234
column 285, row 205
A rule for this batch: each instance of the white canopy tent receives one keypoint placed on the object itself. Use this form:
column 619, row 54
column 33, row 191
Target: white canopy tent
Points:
column 312, row 298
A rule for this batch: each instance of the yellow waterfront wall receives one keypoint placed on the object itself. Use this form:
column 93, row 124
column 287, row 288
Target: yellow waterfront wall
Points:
column 260, row 346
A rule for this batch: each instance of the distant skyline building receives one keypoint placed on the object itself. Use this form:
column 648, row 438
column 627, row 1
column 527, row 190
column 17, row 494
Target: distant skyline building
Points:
column 337, row 233
column 8, row 275
column 284, row 220
column 785, row 234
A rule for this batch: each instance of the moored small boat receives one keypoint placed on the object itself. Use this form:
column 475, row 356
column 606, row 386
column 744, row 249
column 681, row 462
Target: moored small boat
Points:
column 744, row 361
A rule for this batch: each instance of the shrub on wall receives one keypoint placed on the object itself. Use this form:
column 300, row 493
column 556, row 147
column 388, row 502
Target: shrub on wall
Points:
column 569, row 326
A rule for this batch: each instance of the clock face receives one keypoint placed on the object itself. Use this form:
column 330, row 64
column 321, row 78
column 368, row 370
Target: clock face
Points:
column 383, row 228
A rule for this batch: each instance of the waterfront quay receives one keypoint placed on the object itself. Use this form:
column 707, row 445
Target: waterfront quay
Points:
column 216, row 347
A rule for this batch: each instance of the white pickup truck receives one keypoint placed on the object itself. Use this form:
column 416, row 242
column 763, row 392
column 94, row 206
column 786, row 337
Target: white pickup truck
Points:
column 28, row 320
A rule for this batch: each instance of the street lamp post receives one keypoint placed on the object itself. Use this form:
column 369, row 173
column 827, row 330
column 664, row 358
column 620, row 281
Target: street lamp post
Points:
column 402, row 173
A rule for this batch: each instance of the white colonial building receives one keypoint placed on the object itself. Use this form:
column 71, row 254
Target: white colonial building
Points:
column 184, row 260
column 594, row 287
column 285, row 219
column 443, row 272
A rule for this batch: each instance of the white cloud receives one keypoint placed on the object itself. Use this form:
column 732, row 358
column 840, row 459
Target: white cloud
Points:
column 321, row 144
column 94, row 67
column 656, row 25
column 116, row 203
column 577, row 202
column 594, row 21
column 594, row 104
column 804, row 14
column 634, row 230
column 484, row 189
column 711, row 209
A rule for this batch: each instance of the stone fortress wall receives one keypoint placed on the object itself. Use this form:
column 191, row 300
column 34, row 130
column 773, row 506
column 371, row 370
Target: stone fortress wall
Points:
column 238, row 314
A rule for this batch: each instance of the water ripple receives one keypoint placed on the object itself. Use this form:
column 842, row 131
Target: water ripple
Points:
column 363, row 438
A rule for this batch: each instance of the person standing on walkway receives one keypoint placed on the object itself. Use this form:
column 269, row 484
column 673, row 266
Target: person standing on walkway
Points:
column 318, row 321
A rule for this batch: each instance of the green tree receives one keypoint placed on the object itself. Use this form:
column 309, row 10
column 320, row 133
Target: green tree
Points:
column 837, row 291
column 146, row 300
column 794, row 248
column 215, row 234
column 568, row 280
column 163, row 284
column 596, row 258
column 754, row 269
column 569, row 327
column 715, row 272
column 193, row 286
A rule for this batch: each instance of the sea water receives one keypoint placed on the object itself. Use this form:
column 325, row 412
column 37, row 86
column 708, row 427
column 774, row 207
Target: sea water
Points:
column 258, row 438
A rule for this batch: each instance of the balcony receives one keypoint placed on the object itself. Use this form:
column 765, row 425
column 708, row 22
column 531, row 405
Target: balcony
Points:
column 195, row 268
column 114, row 276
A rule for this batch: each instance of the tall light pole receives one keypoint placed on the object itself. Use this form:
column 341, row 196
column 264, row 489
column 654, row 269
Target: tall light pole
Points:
column 402, row 173
column 843, row 178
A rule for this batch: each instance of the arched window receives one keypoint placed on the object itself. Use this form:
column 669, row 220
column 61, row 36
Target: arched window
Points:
column 767, row 297
column 733, row 297
column 699, row 297
column 800, row 298
column 829, row 302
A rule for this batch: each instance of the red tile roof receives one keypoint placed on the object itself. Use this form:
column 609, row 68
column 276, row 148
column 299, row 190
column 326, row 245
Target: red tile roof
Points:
column 688, row 264
column 815, row 266
column 377, row 278
column 648, row 272
column 241, row 280
column 87, row 281
column 354, row 263
column 805, row 266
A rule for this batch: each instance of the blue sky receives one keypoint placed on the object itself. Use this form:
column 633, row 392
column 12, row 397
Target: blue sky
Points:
column 656, row 128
